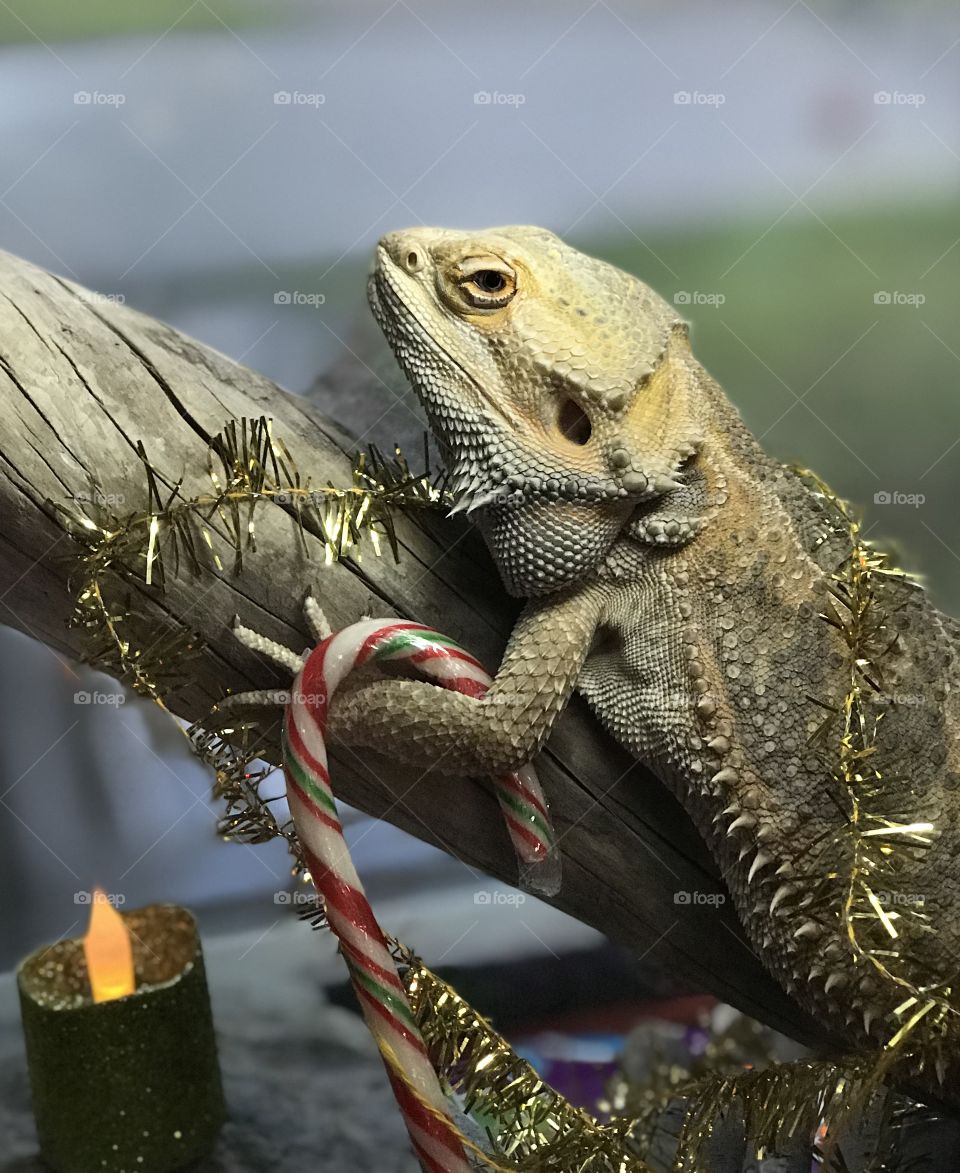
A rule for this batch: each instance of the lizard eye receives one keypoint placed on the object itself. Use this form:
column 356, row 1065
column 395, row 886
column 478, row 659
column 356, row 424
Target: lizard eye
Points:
column 486, row 283
column 489, row 280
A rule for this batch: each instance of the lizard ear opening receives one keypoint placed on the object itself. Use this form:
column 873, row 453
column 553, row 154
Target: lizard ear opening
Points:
column 574, row 422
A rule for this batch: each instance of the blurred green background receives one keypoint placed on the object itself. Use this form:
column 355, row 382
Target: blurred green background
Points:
column 55, row 21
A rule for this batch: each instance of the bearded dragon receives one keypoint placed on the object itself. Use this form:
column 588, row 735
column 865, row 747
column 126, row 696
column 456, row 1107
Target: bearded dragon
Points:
column 677, row 576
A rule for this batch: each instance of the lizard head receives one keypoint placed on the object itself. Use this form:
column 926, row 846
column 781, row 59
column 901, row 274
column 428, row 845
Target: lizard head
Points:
column 540, row 372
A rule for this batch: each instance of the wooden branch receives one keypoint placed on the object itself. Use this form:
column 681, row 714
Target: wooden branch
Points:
column 82, row 380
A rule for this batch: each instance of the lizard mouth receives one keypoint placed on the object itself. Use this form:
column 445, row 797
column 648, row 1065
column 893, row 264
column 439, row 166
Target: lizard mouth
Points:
column 401, row 324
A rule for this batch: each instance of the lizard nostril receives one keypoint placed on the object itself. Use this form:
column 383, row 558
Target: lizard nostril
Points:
column 413, row 261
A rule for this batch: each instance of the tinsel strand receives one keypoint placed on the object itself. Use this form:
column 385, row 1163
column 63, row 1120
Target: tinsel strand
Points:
column 879, row 845
column 246, row 465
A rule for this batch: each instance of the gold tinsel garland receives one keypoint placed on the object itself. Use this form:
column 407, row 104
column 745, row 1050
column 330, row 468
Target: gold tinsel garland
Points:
column 879, row 843
column 247, row 466
column 529, row 1127
column 537, row 1130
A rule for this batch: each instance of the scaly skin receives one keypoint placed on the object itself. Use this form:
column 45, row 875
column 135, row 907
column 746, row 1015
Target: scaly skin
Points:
column 675, row 574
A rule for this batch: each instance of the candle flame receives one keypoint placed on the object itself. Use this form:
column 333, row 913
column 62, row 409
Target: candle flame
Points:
column 108, row 951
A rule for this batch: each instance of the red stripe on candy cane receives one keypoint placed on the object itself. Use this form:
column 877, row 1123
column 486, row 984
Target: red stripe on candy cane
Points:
column 465, row 684
column 512, row 782
column 432, row 1126
column 427, row 1162
column 532, row 841
column 315, row 809
column 385, row 976
column 446, row 652
column 352, row 906
column 349, row 901
column 372, row 642
column 377, row 1008
column 313, row 685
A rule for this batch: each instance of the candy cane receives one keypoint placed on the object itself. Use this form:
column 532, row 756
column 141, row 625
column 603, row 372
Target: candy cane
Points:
column 372, row 968
column 521, row 799
column 375, row 978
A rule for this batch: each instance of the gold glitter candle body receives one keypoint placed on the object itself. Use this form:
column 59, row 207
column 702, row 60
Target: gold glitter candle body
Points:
column 131, row 1084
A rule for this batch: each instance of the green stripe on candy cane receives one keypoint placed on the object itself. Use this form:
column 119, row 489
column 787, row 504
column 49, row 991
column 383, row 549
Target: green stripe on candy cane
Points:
column 321, row 796
column 526, row 811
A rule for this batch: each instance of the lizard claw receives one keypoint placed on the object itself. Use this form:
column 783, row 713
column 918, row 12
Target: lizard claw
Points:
column 268, row 647
column 260, row 698
column 320, row 630
column 318, row 623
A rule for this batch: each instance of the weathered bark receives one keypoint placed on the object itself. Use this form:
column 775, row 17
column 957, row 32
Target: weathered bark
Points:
column 82, row 380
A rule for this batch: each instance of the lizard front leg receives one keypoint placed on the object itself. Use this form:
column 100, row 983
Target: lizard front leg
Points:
column 428, row 726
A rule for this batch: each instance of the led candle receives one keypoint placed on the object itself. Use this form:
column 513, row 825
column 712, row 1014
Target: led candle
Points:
column 120, row 1044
